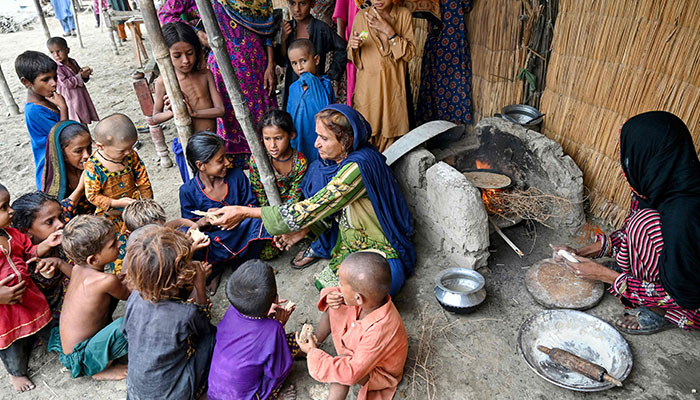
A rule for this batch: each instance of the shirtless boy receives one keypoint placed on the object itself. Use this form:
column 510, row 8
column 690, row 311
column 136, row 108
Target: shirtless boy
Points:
column 87, row 340
column 203, row 101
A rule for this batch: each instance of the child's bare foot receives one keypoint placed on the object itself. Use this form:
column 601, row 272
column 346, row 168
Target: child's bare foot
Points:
column 21, row 383
column 213, row 286
column 115, row 372
column 290, row 393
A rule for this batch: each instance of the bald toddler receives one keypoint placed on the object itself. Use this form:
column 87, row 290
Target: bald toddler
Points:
column 115, row 176
column 368, row 333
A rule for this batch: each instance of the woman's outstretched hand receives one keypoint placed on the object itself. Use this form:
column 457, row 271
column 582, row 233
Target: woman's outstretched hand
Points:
column 227, row 217
column 588, row 269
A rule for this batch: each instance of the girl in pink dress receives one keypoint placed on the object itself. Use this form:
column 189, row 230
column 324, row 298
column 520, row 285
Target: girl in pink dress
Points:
column 344, row 16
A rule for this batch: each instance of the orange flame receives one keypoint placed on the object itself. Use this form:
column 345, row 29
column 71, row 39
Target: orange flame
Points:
column 488, row 195
column 482, row 165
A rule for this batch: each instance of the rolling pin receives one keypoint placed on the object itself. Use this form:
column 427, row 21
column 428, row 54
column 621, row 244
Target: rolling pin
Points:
column 577, row 364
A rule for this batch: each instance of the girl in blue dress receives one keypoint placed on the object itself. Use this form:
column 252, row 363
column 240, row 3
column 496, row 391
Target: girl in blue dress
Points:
column 215, row 185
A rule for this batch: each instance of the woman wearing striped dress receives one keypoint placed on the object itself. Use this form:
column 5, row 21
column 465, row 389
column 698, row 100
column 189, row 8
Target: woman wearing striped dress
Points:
column 658, row 248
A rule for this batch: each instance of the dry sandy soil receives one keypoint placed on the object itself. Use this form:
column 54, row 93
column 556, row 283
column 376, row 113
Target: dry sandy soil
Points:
column 470, row 357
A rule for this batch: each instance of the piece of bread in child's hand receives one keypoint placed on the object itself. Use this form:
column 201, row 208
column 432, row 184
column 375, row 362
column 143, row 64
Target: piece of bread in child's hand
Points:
column 306, row 331
column 289, row 305
column 209, row 215
column 197, row 235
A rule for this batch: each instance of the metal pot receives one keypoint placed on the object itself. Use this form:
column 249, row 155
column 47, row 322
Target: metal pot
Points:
column 523, row 115
column 459, row 290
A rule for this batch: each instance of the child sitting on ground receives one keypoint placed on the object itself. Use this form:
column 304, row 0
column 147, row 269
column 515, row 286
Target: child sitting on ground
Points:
column 115, row 175
column 203, row 101
column 38, row 216
column 87, row 340
column 368, row 333
column 307, row 96
column 44, row 107
column 253, row 355
column 215, row 185
column 289, row 164
column 23, row 309
column 381, row 46
column 71, row 82
column 324, row 39
column 170, row 337
column 147, row 211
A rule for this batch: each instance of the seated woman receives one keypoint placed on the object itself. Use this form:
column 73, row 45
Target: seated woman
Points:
column 362, row 195
column 68, row 146
column 657, row 247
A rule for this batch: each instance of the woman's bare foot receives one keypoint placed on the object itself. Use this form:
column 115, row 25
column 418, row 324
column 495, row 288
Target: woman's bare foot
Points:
column 115, row 372
column 214, row 285
column 290, row 393
column 628, row 322
column 21, row 383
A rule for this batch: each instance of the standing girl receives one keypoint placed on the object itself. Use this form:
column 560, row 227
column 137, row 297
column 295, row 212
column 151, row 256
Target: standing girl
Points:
column 381, row 57
column 203, row 102
column 289, row 164
column 216, row 185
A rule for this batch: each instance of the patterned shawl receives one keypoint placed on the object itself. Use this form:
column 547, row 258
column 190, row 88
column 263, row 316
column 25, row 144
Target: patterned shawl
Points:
column 55, row 179
column 255, row 15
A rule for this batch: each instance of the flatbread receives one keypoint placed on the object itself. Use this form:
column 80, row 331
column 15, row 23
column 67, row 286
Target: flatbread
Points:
column 209, row 215
column 306, row 331
column 196, row 234
column 488, row 180
column 288, row 306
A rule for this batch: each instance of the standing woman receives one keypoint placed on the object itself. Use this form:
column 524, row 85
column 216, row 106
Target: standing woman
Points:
column 361, row 194
column 247, row 26
column 446, row 73
column 657, row 248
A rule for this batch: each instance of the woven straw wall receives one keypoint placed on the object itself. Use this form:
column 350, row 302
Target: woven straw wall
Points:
column 494, row 39
column 613, row 59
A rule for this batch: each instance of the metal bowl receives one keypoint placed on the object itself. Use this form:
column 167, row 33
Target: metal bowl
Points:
column 522, row 114
column 579, row 333
column 459, row 290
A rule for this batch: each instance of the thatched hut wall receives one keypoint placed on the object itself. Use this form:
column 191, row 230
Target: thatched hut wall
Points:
column 494, row 32
column 610, row 60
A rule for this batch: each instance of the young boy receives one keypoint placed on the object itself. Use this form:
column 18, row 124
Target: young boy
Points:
column 44, row 107
column 253, row 355
column 87, row 340
column 325, row 40
column 71, row 82
column 368, row 333
column 115, row 175
column 307, row 96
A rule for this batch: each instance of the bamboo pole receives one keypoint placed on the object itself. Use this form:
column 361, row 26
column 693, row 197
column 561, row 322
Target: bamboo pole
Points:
column 216, row 41
column 7, row 95
column 183, row 122
column 42, row 19
column 77, row 26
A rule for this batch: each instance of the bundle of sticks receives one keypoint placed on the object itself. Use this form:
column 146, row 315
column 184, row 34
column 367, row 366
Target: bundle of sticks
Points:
column 529, row 204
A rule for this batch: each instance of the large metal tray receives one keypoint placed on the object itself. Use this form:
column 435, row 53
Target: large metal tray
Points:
column 579, row 333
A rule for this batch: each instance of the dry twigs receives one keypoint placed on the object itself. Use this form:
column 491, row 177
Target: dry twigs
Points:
column 421, row 365
column 529, row 204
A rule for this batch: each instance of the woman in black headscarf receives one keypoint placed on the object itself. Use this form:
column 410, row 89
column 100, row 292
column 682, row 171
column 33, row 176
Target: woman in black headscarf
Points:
column 658, row 247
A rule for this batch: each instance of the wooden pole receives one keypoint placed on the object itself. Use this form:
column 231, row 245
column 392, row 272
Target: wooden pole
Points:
column 7, row 95
column 77, row 26
column 183, row 122
column 42, row 19
column 240, row 108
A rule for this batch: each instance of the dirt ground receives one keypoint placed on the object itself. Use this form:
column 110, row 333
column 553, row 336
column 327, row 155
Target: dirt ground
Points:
column 469, row 357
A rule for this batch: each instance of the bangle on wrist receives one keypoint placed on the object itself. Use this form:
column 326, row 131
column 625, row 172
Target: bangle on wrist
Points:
column 394, row 36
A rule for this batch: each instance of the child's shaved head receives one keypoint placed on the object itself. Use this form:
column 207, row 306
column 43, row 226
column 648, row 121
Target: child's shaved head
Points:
column 303, row 44
column 116, row 128
column 368, row 273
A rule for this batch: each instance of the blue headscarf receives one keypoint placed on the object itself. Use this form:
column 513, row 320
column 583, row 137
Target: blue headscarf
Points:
column 381, row 185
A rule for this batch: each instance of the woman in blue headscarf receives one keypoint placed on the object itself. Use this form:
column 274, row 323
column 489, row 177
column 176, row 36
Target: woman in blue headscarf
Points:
column 360, row 192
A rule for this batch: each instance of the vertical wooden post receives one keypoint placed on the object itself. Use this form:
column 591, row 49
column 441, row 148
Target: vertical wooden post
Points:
column 183, row 122
column 40, row 10
column 7, row 95
column 216, row 41
column 77, row 26
column 107, row 23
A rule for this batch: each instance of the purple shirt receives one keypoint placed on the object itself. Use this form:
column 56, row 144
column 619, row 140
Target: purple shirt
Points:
column 251, row 358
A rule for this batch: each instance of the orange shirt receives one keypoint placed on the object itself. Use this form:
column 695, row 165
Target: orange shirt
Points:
column 376, row 345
